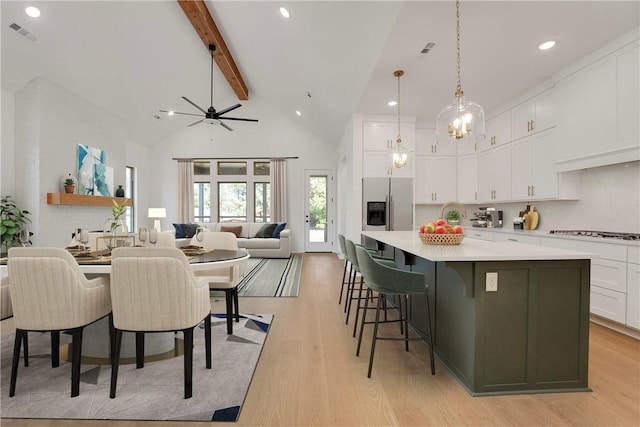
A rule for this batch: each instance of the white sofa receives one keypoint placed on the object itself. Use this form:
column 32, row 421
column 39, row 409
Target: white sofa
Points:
column 270, row 247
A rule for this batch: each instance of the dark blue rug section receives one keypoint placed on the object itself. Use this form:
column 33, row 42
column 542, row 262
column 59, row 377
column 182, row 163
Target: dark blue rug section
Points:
column 226, row 414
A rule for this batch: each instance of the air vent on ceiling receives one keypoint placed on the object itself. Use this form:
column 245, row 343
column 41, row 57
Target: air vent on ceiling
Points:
column 428, row 47
column 23, row 31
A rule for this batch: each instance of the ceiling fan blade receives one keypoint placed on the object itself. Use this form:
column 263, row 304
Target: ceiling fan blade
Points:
column 238, row 118
column 195, row 123
column 226, row 110
column 184, row 114
column 192, row 103
column 224, row 125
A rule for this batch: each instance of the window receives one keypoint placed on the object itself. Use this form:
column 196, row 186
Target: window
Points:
column 262, row 199
column 261, row 168
column 129, row 215
column 232, row 168
column 232, row 201
column 202, row 201
column 202, row 168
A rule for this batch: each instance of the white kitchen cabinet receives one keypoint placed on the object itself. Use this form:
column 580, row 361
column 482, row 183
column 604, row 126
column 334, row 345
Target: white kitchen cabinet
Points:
column 426, row 144
column 494, row 174
column 533, row 174
column 598, row 108
column 467, row 178
column 633, row 288
column 498, row 131
column 515, row 237
column 381, row 136
column 435, row 179
column 478, row 233
column 378, row 164
column 533, row 116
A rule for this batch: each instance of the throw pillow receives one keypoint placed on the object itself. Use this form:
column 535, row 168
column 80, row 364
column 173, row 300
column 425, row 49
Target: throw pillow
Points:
column 278, row 230
column 179, row 231
column 236, row 229
column 266, row 230
column 189, row 230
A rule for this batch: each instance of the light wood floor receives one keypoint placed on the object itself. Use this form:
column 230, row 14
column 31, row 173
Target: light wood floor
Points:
column 308, row 375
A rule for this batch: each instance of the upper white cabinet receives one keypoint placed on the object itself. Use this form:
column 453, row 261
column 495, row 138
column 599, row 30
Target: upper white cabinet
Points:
column 435, row 179
column 468, row 178
column 378, row 139
column 598, row 110
column 426, row 144
column 533, row 175
column 494, row 174
column 498, row 131
column 533, row 116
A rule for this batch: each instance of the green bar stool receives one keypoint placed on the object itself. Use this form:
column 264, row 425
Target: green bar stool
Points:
column 343, row 249
column 388, row 280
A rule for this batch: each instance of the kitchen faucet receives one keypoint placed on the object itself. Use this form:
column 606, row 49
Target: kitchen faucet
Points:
column 458, row 204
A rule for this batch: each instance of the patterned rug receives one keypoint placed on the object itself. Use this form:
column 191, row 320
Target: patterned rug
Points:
column 272, row 277
column 155, row 392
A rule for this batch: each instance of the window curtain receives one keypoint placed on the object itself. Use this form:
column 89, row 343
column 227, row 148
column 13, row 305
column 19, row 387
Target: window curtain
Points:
column 278, row 169
column 185, row 191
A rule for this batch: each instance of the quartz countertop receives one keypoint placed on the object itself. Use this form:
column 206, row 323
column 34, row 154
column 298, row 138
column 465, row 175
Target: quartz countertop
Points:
column 473, row 249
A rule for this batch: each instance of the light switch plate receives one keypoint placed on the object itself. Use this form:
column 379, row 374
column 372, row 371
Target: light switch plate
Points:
column 492, row 282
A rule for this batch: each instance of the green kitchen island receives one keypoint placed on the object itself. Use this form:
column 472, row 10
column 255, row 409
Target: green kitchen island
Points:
column 508, row 318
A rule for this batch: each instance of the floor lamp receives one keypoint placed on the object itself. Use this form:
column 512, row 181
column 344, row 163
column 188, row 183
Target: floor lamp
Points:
column 156, row 214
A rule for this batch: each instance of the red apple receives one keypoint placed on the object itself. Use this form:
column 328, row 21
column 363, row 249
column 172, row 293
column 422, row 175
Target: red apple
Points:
column 441, row 230
column 441, row 222
column 423, row 228
column 458, row 229
column 448, row 228
column 431, row 228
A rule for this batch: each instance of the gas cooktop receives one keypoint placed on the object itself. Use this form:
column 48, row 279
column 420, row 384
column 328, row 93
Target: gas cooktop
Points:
column 604, row 234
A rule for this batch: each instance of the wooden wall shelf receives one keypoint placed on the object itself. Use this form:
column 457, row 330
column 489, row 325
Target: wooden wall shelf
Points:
column 84, row 200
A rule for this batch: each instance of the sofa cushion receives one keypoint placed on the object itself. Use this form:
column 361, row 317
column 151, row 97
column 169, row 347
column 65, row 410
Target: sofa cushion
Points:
column 278, row 230
column 269, row 243
column 235, row 229
column 179, row 231
column 266, row 230
column 189, row 230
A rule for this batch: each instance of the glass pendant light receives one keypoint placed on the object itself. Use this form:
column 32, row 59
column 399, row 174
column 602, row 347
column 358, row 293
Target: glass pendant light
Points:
column 399, row 155
column 462, row 120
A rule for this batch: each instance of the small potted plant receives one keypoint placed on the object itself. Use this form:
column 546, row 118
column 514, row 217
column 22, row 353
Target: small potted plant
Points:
column 69, row 185
column 453, row 217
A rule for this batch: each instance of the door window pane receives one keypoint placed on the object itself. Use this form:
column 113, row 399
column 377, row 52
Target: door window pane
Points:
column 262, row 206
column 232, row 201
column 317, row 209
column 232, row 168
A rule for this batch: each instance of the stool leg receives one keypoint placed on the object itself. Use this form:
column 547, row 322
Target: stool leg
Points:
column 375, row 335
column 349, row 286
column 406, row 325
column 433, row 366
column 20, row 337
column 364, row 317
column 355, row 323
column 353, row 289
column 344, row 275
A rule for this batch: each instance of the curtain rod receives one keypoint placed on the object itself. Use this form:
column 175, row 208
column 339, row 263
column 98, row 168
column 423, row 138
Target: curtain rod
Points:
column 233, row 158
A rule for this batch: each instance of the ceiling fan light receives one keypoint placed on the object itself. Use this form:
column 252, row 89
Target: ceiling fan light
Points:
column 284, row 12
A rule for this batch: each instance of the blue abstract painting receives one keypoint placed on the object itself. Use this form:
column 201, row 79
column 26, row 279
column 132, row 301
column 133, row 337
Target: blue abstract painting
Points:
column 88, row 157
column 103, row 180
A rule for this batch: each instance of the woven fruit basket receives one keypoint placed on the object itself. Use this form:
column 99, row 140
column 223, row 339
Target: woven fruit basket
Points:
column 441, row 239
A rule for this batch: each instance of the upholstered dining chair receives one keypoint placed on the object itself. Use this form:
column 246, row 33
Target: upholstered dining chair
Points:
column 155, row 290
column 224, row 279
column 6, row 310
column 49, row 292
column 388, row 280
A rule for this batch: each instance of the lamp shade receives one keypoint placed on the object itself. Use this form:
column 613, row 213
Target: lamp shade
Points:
column 157, row 213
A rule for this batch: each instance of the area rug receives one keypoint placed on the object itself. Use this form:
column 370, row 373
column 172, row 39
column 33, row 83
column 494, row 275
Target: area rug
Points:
column 155, row 392
column 272, row 277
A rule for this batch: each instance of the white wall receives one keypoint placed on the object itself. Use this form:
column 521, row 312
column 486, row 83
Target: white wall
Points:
column 7, row 143
column 609, row 201
column 275, row 135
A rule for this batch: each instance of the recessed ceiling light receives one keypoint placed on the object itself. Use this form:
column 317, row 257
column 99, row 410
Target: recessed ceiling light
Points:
column 284, row 12
column 392, row 103
column 298, row 113
column 170, row 113
column 547, row 45
column 32, row 11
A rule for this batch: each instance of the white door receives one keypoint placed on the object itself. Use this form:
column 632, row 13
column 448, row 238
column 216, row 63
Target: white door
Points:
column 319, row 210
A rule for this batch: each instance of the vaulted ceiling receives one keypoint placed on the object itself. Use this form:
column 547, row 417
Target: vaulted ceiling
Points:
column 329, row 60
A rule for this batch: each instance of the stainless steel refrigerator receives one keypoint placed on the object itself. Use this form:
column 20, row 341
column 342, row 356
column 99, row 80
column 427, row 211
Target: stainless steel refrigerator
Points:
column 387, row 204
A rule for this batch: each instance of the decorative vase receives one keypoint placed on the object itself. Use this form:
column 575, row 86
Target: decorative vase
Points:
column 115, row 233
column 119, row 191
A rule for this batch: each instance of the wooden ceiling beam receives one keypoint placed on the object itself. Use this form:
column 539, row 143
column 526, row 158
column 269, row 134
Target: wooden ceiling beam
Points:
column 203, row 23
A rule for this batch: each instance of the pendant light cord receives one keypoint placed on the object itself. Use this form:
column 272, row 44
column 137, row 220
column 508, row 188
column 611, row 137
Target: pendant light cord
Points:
column 398, row 74
column 459, row 91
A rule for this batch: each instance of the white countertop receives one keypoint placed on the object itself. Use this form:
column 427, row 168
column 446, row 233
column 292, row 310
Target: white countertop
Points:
column 473, row 249
column 540, row 233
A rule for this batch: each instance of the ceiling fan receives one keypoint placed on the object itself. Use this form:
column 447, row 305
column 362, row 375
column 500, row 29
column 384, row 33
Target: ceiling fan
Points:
column 211, row 115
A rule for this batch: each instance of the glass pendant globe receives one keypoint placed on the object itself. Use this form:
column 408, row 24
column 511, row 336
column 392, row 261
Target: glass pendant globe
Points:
column 399, row 157
column 461, row 121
